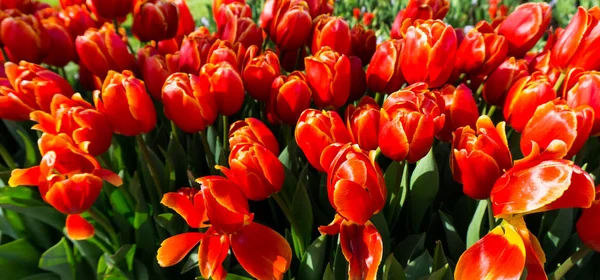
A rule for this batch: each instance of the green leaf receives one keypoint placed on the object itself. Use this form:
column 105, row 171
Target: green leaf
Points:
column 455, row 243
column 124, row 256
column 42, row 276
column 190, row 263
column 419, row 267
column 328, row 274
column 18, row 259
column 303, row 217
column 409, row 248
column 312, row 262
column 382, row 227
column 439, row 259
column 392, row 270
column 559, row 233
column 474, row 231
column 424, row 185
column 27, row 201
column 172, row 223
column 444, row 273
column 231, row 276
column 396, row 178
column 340, row 265
column 59, row 259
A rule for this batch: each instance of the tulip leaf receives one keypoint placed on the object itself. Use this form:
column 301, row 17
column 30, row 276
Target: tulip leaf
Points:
column 474, row 230
column 382, row 227
column 231, row 276
column 177, row 158
column 89, row 251
column 444, row 273
column 409, row 248
column 303, row 219
column 439, row 259
column 392, row 270
column 455, row 243
column 312, row 262
column 328, row 274
column 340, row 265
column 419, row 267
column 60, row 260
column 26, row 201
column 31, row 157
column 559, row 233
column 395, row 180
column 172, row 223
column 42, row 276
column 424, row 185
column 190, row 263
column 18, row 259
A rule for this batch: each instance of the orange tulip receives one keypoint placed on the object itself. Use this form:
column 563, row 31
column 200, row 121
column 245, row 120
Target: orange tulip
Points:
column 250, row 131
column 226, row 206
column 419, row 9
column 316, row 130
column 577, row 45
column 289, row 97
column 500, row 80
column 364, row 43
column 111, row 9
column 524, row 27
column 291, row 24
column 479, row 157
column 126, row 103
column 328, row 75
column 333, row 32
column 410, row 118
column 481, row 51
column 363, row 123
column 155, row 20
column 216, row 5
column 194, row 50
column 156, row 68
column 24, row 38
column 242, row 30
column 259, row 73
column 384, row 73
column 225, row 85
column 460, row 110
column 77, row 19
column 358, row 79
column 587, row 228
column 580, row 88
column 524, row 97
column 104, row 50
column 189, row 204
column 190, row 108
column 186, row 23
column 429, row 52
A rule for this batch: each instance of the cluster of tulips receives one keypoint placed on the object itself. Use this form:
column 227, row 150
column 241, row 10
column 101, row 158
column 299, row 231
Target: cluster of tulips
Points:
column 426, row 84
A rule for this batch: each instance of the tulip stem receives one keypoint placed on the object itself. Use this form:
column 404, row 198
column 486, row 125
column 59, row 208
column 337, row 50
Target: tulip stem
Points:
column 562, row 270
column 490, row 211
column 153, row 173
column 4, row 54
column 210, row 157
column 559, row 82
column 288, row 214
column 379, row 98
column 491, row 111
column 225, row 133
column 104, row 223
column 94, row 240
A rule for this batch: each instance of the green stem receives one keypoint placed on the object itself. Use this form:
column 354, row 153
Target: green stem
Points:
column 491, row 111
column 225, row 133
column 10, row 163
column 174, row 131
column 288, row 214
column 4, row 55
column 379, row 98
column 210, row 157
column 105, row 223
column 491, row 219
column 559, row 82
column 562, row 270
column 153, row 173
column 94, row 240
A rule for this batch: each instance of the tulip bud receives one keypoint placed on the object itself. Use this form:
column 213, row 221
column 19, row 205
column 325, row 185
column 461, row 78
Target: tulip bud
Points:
column 24, row 38
column 479, row 157
column 460, row 110
column 384, row 73
column 419, row 9
column 363, row 123
column 194, row 50
column 62, row 47
column 523, row 98
column 364, row 43
column 481, row 51
column 126, row 103
column 293, row 24
column 358, row 79
column 316, row 130
column 524, row 27
column 77, row 19
column 581, row 89
column 223, row 51
column 190, row 108
column 333, row 32
column 250, row 131
column 224, row 83
column 499, row 82
column 155, row 20
column 328, row 75
column 289, row 97
column 111, row 9
column 259, row 73
column 410, row 118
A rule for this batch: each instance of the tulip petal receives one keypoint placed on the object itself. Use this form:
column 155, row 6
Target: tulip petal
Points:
column 78, row 228
column 392, row 138
column 549, row 122
column 25, row 177
column 580, row 194
column 332, row 228
column 213, row 251
column 362, row 246
column 193, row 213
column 479, row 172
column 587, row 226
column 173, row 249
column 346, row 196
column 74, row 195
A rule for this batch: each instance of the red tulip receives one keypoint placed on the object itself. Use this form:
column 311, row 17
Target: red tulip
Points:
column 577, row 45
column 328, row 75
column 155, row 20
column 62, row 45
column 479, row 157
column 409, row 120
column 190, row 108
column 250, row 131
column 194, row 50
column 523, row 98
column 429, row 52
column 581, row 88
column 77, row 19
column 259, row 73
column 460, row 110
column 226, row 206
column 230, row 12
column 358, row 79
column 111, row 9
column 186, row 23
column 524, row 27
column 500, row 80
column 156, row 68
column 368, row 18
column 419, row 9
column 363, row 123
column 66, row 3
column 384, row 73
column 316, row 130
column 216, row 5
column 24, row 38
column 292, row 60
column 481, row 51
column 290, row 26
column 333, row 32
column 289, row 97
column 189, row 204
column 78, row 228
column 126, row 103
column 244, row 31
column 225, row 51
column 586, row 225
column 320, row 7
column 364, row 43
column 224, row 83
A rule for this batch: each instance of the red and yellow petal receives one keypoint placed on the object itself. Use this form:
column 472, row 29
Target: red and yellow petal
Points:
column 25, row 177
column 352, row 201
column 173, row 249
column 194, row 215
column 362, row 246
column 78, row 228
column 587, row 226
column 74, row 195
column 213, row 251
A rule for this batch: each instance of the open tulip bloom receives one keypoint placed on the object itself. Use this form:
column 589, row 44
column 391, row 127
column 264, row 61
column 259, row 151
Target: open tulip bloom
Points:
column 299, row 139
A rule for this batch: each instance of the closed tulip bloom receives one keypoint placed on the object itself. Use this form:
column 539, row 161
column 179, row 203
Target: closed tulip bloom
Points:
column 24, row 38
column 194, row 50
column 316, row 130
column 586, row 225
column 104, row 50
column 62, row 45
column 77, row 19
column 333, row 32
column 577, row 45
column 523, row 98
column 419, row 9
column 223, row 82
column 364, row 43
column 259, row 73
column 156, row 68
column 581, row 88
column 384, row 73
column 320, row 7
column 89, row 129
column 328, row 75
column 155, row 20
column 524, row 27
column 429, row 51
column 291, row 24
column 358, row 79
column 289, row 97
column 242, row 30
column 460, row 110
column 500, row 80
column 228, row 12
column 363, row 123
column 126, row 103
column 223, row 51
column 250, row 131
column 190, row 108
column 410, row 118
column 481, row 51
column 111, row 9
column 479, row 157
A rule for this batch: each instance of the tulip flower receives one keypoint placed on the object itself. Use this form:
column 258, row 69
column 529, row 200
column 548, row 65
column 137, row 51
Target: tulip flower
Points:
column 333, row 32
column 320, row 7
column 67, row 3
column 242, row 30
column 111, row 9
column 223, row 51
column 429, row 51
column 581, row 89
column 77, row 19
column 328, row 75
column 479, row 157
column 410, row 118
column 126, row 103
column 523, row 98
column 250, row 131
column 364, row 43
column 194, row 50
column 384, row 73
column 75, row 117
column 62, row 45
column 363, row 123
column 186, row 23
column 577, row 45
column 189, row 204
column 259, row 73
column 358, row 79
column 155, row 69
column 15, row 106
column 24, row 38
column 481, row 51
column 586, row 225
column 460, row 110
column 555, row 120
column 291, row 24
column 104, row 50
column 155, row 20
column 289, row 97
column 226, row 206
column 524, row 27
column 316, row 130
column 224, row 83
column 34, row 85
column 500, row 80
column 190, row 108
column 216, row 6
column 419, row 9
column 229, row 12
